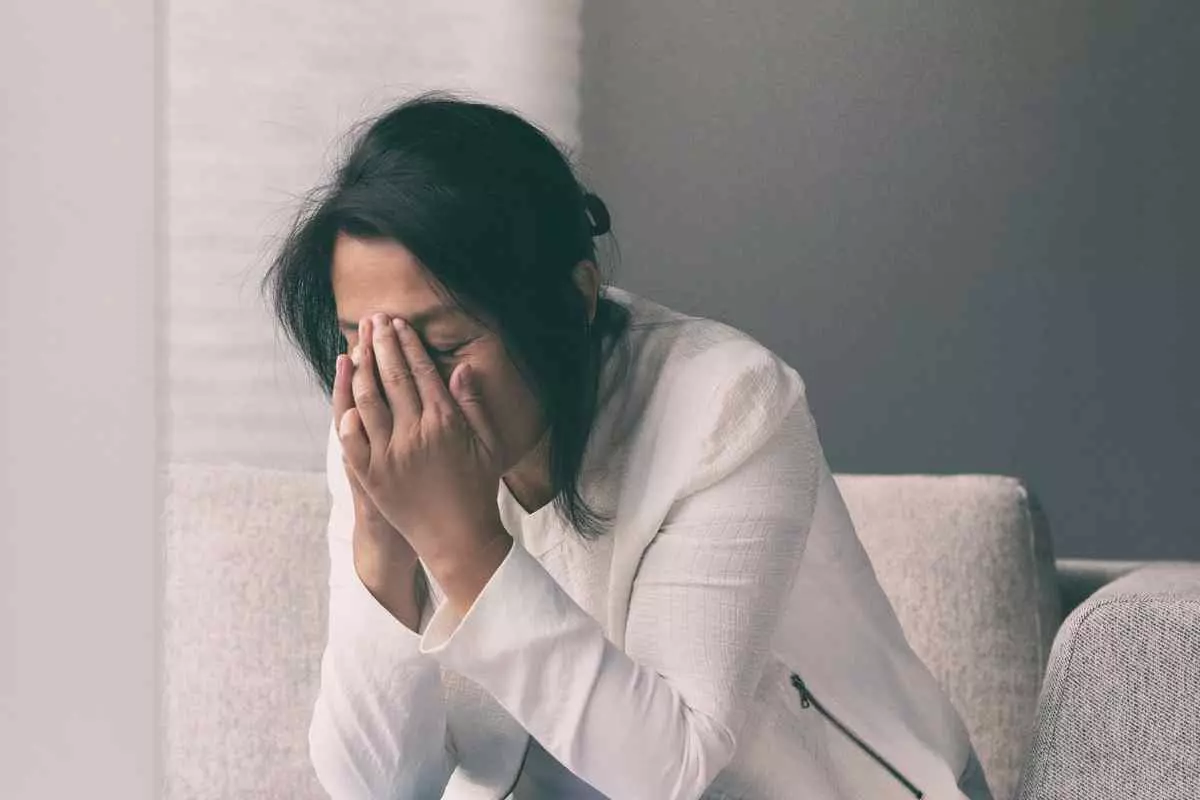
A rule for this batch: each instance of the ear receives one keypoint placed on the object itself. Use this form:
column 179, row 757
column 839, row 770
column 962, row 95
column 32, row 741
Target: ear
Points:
column 587, row 278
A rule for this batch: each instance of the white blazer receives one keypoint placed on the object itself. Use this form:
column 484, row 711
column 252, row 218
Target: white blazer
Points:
column 738, row 644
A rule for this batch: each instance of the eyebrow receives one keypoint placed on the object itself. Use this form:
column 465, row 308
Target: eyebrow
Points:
column 418, row 320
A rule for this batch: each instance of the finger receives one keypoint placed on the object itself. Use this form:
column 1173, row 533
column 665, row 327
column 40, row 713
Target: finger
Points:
column 343, row 397
column 356, row 449
column 365, row 510
column 433, row 392
column 368, row 399
column 343, row 401
column 466, row 393
column 395, row 372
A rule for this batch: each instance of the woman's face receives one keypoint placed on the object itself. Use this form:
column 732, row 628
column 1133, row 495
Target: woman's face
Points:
column 383, row 276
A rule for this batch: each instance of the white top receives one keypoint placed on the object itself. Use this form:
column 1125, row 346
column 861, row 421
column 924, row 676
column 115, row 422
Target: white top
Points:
column 656, row 662
column 542, row 776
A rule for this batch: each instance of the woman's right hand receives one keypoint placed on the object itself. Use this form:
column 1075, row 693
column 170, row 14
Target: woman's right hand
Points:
column 385, row 561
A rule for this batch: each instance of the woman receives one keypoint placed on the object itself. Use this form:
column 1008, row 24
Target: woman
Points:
column 581, row 545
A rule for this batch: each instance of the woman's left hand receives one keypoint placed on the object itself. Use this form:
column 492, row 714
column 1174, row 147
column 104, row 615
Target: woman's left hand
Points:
column 427, row 454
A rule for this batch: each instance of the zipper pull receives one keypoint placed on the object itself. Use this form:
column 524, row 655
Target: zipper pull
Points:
column 802, row 689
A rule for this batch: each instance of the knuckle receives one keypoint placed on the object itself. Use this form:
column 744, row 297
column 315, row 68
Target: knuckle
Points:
column 444, row 418
column 426, row 369
column 393, row 373
column 365, row 395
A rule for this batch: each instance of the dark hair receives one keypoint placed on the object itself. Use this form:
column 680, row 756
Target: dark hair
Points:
column 490, row 206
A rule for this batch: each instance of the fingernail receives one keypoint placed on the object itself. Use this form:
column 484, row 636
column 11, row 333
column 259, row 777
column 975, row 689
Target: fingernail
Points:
column 380, row 322
column 356, row 355
column 399, row 323
column 337, row 367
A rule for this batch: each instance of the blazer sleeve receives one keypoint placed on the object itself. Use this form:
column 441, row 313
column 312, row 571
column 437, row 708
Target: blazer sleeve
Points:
column 378, row 729
column 662, row 718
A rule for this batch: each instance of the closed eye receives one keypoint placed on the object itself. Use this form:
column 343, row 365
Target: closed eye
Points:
column 433, row 351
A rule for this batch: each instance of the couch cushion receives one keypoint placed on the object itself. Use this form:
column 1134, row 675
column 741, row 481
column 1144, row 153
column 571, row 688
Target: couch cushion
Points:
column 966, row 561
column 1119, row 708
column 244, row 614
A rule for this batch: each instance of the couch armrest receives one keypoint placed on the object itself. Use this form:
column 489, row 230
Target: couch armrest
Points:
column 1080, row 578
column 1119, row 711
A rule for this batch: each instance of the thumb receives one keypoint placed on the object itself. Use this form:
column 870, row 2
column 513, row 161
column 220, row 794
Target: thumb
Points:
column 465, row 390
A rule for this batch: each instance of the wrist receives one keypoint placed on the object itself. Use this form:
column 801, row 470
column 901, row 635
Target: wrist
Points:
column 396, row 587
column 383, row 548
column 463, row 571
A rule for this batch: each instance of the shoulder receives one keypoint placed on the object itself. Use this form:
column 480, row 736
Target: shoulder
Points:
column 752, row 391
column 724, row 394
column 674, row 348
column 702, row 394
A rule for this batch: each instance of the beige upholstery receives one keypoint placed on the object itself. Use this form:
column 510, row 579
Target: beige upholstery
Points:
column 244, row 621
column 1119, row 713
column 963, row 558
column 971, row 577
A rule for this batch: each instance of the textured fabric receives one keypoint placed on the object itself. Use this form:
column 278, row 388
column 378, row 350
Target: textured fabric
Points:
column 1080, row 578
column 713, row 542
column 1119, row 715
column 970, row 571
column 243, row 612
column 245, row 581
column 238, row 681
column 733, row 564
column 582, row 568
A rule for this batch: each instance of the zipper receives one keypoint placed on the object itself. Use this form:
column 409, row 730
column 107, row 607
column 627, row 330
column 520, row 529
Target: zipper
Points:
column 807, row 699
column 517, row 779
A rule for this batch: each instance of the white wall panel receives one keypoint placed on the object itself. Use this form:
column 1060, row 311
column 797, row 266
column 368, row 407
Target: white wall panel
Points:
column 79, row 209
column 259, row 95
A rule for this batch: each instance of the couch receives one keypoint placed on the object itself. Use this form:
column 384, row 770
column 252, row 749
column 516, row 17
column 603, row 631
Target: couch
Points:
column 1076, row 678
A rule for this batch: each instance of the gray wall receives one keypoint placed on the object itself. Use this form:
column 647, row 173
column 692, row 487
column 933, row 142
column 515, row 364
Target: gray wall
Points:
column 971, row 228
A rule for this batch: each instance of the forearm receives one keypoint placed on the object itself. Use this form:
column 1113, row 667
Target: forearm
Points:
column 398, row 587
column 702, row 614
column 379, row 725
column 461, row 571
column 556, row 673
column 379, row 730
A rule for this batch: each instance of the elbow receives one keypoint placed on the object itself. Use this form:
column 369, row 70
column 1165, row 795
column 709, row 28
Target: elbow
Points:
column 348, row 768
column 709, row 748
column 334, row 766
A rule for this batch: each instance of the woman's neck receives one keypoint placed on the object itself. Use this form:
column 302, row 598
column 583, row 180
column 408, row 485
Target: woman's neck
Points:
column 529, row 480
